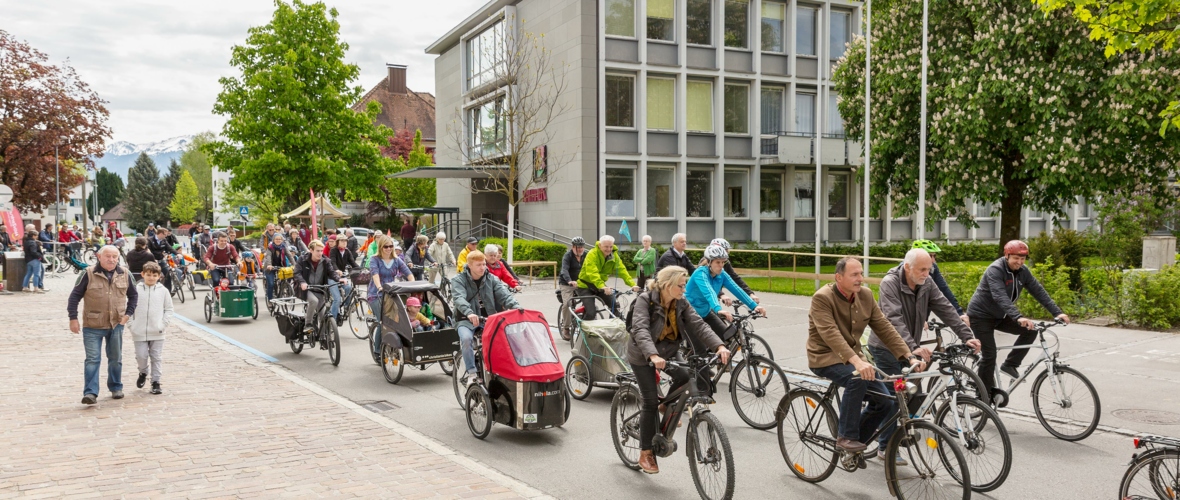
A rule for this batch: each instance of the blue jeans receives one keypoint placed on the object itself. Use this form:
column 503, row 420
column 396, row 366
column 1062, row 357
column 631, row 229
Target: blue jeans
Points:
column 34, row 274
column 270, row 283
column 92, row 338
column 335, row 291
column 855, row 424
column 466, row 341
column 889, row 365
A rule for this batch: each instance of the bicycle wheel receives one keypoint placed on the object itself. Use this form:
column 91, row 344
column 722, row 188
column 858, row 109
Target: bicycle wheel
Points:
column 933, row 472
column 373, row 336
column 807, row 434
column 988, row 449
column 577, row 378
column 392, row 363
column 479, row 411
column 208, row 309
column 178, row 286
column 448, row 366
column 331, row 340
column 1069, row 411
column 970, row 383
column 756, row 387
column 457, row 382
column 296, row 346
column 51, row 263
column 710, row 457
column 90, row 257
column 358, row 320
column 192, row 287
column 759, row 347
column 1155, row 474
column 624, row 424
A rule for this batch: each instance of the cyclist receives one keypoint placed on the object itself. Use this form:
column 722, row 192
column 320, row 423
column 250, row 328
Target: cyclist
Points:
column 571, row 267
column 600, row 263
column 675, row 256
column 139, row 256
column 498, row 268
column 476, row 294
column 706, row 284
column 420, row 257
column 936, row 275
column 314, row 269
column 220, row 254
column 907, row 299
column 343, row 259
column 441, row 253
column 993, row 307
column 162, row 245
column 472, row 245
column 274, row 258
column 384, row 268
column 839, row 312
column 661, row 316
column 741, row 283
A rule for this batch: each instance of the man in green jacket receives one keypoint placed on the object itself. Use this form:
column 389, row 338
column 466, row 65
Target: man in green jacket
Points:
column 601, row 263
column 645, row 261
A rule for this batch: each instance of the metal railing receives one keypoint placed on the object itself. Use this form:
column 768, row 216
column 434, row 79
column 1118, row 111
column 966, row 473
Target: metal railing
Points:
column 794, row 274
column 488, row 228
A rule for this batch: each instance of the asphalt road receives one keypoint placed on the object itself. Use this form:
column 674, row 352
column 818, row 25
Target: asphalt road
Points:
column 1136, row 373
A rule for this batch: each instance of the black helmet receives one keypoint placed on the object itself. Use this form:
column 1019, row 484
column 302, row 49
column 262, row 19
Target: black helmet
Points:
column 472, row 239
column 578, row 241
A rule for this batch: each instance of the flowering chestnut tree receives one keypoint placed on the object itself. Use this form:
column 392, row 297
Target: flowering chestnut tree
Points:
column 1024, row 110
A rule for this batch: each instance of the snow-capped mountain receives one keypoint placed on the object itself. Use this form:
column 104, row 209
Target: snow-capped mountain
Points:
column 120, row 155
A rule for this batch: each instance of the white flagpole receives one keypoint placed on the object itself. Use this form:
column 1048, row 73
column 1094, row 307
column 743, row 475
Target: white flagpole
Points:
column 920, row 231
column 868, row 145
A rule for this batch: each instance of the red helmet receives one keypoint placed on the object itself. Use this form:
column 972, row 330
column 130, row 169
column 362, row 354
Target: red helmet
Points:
column 1016, row 247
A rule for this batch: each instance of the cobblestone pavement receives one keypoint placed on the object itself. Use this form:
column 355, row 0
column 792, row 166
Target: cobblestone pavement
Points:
column 228, row 425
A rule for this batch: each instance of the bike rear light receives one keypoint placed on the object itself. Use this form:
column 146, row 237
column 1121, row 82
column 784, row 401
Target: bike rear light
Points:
column 899, row 385
column 1137, row 443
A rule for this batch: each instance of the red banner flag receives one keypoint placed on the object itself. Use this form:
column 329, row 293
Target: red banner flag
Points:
column 314, row 228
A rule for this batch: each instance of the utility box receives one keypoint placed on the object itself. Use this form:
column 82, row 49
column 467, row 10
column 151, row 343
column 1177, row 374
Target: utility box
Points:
column 14, row 270
column 1159, row 251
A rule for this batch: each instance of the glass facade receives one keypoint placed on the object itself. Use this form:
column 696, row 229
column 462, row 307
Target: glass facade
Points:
column 485, row 56
column 620, row 101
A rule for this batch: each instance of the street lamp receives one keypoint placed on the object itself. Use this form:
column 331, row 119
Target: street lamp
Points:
column 57, row 178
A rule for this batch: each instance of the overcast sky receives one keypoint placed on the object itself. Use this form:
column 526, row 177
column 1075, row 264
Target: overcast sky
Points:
column 157, row 62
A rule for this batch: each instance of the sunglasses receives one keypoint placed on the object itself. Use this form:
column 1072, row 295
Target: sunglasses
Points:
column 387, row 246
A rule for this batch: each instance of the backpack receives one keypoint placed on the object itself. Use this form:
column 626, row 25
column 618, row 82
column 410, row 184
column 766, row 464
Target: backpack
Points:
column 630, row 312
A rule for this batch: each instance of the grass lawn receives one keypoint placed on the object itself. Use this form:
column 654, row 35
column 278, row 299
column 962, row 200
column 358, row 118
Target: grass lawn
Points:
column 806, row 287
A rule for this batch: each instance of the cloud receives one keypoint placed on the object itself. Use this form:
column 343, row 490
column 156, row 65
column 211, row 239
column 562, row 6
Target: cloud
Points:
column 158, row 62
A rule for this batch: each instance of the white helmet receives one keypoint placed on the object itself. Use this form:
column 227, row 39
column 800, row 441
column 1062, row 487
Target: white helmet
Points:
column 714, row 252
column 721, row 242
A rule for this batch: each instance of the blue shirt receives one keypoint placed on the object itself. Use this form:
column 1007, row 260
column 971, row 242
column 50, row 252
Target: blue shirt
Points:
column 703, row 289
column 387, row 274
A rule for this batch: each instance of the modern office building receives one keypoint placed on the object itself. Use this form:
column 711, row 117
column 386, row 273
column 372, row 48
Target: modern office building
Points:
column 695, row 116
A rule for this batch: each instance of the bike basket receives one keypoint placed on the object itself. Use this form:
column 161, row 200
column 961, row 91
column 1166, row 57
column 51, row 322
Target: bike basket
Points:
column 362, row 277
column 290, row 325
column 286, row 273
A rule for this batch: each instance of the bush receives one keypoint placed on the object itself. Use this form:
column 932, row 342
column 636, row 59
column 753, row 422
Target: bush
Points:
column 964, row 282
column 958, row 252
column 1055, row 280
column 1100, row 293
column 1064, row 248
column 1152, row 299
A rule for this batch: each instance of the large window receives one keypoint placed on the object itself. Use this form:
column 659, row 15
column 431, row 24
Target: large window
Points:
column 700, row 193
column 772, row 110
column 737, row 108
column 804, row 194
column 620, row 17
column 487, row 128
column 805, row 113
column 620, row 101
column 774, row 27
column 485, row 56
column 661, row 22
column 661, row 190
column 620, row 191
column 835, row 122
column 737, row 24
column 737, row 186
column 805, row 18
column 838, row 199
column 983, row 209
column 840, row 34
column 700, row 25
column 700, row 106
column 770, row 204
column 661, row 103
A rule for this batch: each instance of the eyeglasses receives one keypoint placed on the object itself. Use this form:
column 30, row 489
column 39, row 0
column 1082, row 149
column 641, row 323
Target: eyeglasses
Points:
column 387, row 246
column 683, row 286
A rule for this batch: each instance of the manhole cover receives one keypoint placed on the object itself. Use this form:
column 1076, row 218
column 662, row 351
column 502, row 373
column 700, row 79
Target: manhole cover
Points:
column 380, row 406
column 1157, row 417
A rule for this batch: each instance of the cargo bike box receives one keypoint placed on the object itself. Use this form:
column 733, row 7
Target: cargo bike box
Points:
column 400, row 344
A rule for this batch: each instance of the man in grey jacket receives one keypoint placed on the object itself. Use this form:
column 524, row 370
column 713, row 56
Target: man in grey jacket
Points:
column 907, row 297
column 477, row 294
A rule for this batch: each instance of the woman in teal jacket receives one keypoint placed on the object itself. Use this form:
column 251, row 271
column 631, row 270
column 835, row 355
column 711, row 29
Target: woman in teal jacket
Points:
column 705, row 286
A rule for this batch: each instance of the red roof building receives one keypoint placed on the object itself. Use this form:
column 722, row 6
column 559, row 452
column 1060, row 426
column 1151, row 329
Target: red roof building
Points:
column 402, row 108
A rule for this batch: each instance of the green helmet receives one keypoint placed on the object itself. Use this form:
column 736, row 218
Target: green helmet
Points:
column 926, row 245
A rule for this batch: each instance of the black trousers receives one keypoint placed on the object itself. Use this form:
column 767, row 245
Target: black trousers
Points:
column 985, row 329
column 649, row 394
column 590, row 306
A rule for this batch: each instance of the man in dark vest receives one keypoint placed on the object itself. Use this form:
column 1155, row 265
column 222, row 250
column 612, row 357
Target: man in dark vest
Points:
column 108, row 301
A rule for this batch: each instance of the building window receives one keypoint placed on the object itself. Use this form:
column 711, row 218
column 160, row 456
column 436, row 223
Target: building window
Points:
column 737, row 185
column 737, row 109
column 485, row 56
column 737, row 23
column 661, row 103
column 840, row 34
column 700, row 106
column 620, row 101
column 774, row 27
column 620, row 18
column 661, row 23
column 983, row 209
column 835, row 122
column 838, row 199
column 487, row 128
column 620, row 191
column 805, row 114
column 770, row 204
column 772, row 110
column 700, row 22
column 661, row 190
column 805, row 30
column 804, row 194
column 699, row 197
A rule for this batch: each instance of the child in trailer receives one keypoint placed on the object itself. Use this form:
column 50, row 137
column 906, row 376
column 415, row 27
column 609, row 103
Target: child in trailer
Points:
column 152, row 315
column 418, row 321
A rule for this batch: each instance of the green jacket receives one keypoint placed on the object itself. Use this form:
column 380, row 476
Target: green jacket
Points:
column 645, row 261
column 596, row 268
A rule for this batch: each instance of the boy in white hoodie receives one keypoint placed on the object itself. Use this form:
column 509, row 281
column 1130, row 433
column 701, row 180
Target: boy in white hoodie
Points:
column 147, row 325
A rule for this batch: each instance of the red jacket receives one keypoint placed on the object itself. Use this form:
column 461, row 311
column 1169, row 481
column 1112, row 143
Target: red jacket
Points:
column 501, row 271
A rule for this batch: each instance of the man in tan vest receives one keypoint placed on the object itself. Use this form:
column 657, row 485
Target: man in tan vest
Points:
column 108, row 302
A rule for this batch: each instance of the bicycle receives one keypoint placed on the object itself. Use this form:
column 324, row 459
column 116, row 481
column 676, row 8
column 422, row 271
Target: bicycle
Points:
column 458, row 370
column 807, row 440
column 959, row 360
column 576, row 306
column 358, row 311
column 1160, row 463
column 176, row 284
column 318, row 326
column 708, row 449
column 1063, row 396
column 756, row 383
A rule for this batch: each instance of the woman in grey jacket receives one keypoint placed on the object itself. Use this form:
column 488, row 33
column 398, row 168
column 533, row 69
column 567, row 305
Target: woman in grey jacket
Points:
column 660, row 317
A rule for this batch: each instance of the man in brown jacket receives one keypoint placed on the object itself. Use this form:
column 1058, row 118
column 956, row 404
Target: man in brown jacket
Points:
column 109, row 300
column 839, row 314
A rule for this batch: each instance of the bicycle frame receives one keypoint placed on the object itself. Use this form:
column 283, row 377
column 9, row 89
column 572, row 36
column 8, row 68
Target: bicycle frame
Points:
column 675, row 402
column 1047, row 356
column 899, row 417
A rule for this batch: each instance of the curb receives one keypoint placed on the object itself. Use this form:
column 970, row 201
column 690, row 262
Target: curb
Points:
column 257, row 358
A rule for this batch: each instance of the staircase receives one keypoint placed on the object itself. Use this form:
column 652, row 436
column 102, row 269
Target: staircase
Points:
column 488, row 228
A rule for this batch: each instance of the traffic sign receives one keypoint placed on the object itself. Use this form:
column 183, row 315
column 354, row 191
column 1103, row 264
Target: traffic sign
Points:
column 244, row 211
column 5, row 194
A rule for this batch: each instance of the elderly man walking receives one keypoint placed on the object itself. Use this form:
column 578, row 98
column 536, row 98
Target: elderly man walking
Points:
column 108, row 301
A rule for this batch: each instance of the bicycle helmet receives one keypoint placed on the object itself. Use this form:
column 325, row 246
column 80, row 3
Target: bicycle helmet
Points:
column 715, row 252
column 1016, row 247
column 926, row 245
column 721, row 242
column 578, row 241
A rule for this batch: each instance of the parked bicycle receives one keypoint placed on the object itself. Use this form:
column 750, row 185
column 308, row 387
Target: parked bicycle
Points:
column 1153, row 473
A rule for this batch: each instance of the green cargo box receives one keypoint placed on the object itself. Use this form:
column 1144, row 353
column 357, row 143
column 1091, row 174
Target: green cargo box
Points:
column 236, row 304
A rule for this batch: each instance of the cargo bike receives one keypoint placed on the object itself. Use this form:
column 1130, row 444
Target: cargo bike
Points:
column 306, row 323
column 402, row 344
column 521, row 381
column 233, row 301
column 598, row 346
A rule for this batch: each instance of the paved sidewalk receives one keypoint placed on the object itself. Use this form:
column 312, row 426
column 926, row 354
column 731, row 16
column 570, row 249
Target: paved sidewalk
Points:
column 228, row 425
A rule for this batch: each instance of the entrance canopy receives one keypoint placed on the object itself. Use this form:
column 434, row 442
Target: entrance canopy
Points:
column 323, row 210
column 460, row 172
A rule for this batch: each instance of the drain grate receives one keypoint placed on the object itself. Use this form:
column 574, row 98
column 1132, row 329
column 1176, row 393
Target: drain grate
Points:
column 1157, row 417
column 380, row 406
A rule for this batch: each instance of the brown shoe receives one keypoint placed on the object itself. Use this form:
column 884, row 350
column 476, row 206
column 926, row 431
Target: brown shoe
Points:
column 850, row 445
column 647, row 462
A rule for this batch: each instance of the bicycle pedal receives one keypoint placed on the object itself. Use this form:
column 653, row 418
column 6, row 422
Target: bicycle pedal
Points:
column 860, row 462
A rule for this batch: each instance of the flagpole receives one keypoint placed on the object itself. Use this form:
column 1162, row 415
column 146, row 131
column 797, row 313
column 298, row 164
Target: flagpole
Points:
column 868, row 123
column 920, row 233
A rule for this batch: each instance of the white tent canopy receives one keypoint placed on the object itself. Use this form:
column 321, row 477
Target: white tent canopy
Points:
column 323, row 211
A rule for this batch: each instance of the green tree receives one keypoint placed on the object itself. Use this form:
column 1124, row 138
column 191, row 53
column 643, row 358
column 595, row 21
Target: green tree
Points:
column 144, row 195
column 406, row 193
column 1129, row 25
column 187, row 199
column 110, row 190
column 196, row 163
column 170, row 180
column 1023, row 110
column 289, row 126
column 263, row 205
